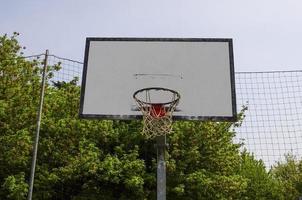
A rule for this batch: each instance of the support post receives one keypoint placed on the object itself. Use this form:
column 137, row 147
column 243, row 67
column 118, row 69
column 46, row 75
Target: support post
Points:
column 36, row 142
column 161, row 167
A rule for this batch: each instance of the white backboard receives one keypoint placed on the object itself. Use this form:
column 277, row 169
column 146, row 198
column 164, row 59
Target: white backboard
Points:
column 200, row 70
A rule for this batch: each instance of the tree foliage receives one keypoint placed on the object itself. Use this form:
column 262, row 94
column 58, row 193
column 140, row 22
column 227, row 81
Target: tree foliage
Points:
column 290, row 174
column 104, row 159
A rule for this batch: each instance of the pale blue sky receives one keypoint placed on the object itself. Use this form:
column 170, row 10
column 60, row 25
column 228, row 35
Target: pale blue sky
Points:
column 267, row 34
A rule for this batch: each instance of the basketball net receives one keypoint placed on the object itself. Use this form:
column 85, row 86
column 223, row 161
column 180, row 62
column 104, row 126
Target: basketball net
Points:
column 157, row 117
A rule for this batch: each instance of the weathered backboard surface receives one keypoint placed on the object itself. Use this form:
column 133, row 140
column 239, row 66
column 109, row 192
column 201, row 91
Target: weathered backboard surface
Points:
column 201, row 70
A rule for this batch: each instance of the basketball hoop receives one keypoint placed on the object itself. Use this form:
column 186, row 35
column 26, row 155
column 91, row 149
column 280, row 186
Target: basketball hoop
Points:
column 157, row 106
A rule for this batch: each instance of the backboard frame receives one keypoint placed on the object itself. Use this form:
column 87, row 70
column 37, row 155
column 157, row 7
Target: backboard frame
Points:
column 129, row 117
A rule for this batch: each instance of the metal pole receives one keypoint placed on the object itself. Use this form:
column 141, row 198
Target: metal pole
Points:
column 35, row 145
column 161, row 167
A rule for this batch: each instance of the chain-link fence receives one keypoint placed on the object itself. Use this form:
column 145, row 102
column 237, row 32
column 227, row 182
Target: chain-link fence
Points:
column 272, row 127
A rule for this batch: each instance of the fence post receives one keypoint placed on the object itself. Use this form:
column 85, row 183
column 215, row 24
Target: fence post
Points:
column 36, row 142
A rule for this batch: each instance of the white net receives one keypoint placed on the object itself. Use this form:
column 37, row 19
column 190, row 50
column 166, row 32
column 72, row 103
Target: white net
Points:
column 157, row 117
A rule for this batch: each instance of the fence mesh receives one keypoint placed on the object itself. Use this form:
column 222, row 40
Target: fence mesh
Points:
column 272, row 127
column 70, row 68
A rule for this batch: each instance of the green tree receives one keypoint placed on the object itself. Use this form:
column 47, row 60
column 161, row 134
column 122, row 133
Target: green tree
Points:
column 290, row 174
column 261, row 184
column 19, row 86
column 202, row 162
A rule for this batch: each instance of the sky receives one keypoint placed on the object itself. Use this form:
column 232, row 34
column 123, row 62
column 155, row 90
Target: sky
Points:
column 267, row 34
